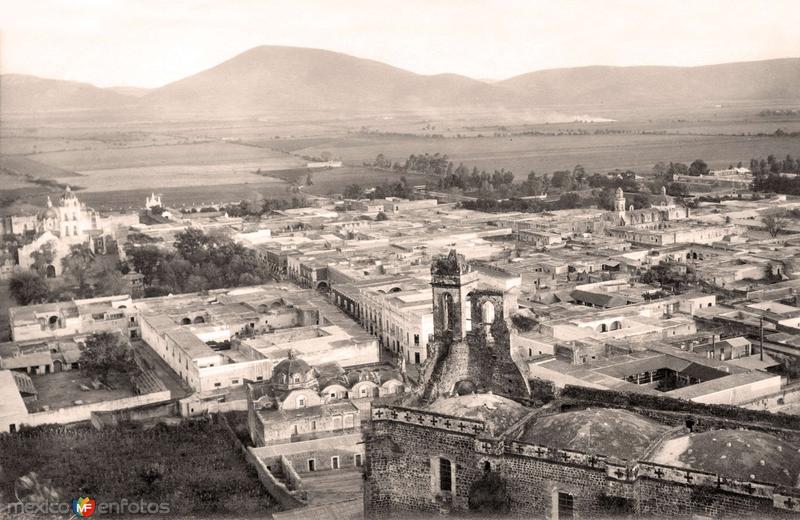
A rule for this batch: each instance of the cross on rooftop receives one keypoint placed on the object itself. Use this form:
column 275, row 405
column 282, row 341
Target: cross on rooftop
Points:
column 393, row 414
column 659, row 472
column 434, row 420
column 379, row 413
column 447, row 423
column 520, row 448
column 688, row 477
column 790, row 503
column 565, row 456
column 619, row 473
column 540, row 451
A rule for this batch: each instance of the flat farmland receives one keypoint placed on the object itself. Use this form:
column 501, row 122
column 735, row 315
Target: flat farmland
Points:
column 177, row 197
column 21, row 165
column 546, row 154
column 172, row 176
column 207, row 153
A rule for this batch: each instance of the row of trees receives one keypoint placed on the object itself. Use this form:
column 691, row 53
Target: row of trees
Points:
column 771, row 164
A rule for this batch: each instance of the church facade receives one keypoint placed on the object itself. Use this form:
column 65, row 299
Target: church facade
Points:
column 68, row 223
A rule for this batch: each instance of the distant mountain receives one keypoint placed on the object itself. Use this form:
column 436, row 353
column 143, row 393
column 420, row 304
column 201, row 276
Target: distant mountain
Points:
column 22, row 93
column 130, row 91
column 280, row 78
column 276, row 79
column 648, row 86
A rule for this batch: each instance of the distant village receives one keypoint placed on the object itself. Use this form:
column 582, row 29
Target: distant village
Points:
column 393, row 357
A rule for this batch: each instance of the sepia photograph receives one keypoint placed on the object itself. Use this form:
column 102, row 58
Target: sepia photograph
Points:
column 381, row 259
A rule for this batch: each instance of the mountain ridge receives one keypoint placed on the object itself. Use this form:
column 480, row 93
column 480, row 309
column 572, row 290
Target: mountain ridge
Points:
column 268, row 78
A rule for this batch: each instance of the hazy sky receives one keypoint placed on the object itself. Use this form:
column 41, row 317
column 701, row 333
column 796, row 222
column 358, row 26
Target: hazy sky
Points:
column 152, row 42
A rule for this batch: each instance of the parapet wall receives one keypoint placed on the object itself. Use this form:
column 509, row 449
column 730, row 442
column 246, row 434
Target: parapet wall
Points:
column 617, row 478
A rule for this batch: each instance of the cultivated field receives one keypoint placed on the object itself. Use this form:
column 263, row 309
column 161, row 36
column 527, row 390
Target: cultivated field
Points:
column 207, row 153
column 546, row 154
column 173, row 176
column 114, row 160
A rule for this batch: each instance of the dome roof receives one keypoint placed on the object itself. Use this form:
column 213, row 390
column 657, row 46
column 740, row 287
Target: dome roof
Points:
column 604, row 431
column 291, row 365
column 740, row 454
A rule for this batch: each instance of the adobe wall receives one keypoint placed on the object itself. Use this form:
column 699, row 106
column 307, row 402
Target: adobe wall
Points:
column 84, row 412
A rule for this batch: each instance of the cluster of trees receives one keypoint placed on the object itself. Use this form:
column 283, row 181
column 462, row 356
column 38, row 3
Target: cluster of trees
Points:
column 776, row 183
column 85, row 275
column 761, row 166
column 258, row 206
column 104, row 353
column 673, row 275
column 200, row 262
column 569, row 200
column 401, row 189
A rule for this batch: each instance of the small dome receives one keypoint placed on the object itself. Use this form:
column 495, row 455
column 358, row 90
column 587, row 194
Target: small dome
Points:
column 620, row 194
column 292, row 372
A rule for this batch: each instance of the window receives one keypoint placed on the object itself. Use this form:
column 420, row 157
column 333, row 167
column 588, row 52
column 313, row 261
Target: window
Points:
column 362, row 392
column 312, row 465
column 301, row 401
column 297, row 378
column 313, row 425
column 445, row 475
column 566, row 506
column 217, row 385
column 357, row 460
column 334, row 462
column 235, row 382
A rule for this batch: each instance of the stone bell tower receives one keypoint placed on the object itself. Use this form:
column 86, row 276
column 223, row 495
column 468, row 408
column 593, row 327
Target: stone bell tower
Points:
column 452, row 279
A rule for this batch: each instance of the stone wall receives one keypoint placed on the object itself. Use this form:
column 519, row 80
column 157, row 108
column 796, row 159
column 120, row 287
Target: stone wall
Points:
column 403, row 447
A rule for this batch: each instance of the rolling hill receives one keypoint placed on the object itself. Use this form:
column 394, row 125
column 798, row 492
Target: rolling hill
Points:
column 22, row 93
column 648, row 86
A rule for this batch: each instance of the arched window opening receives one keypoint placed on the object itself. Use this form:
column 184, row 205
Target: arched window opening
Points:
column 447, row 311
column 445, row 475
column 487, row 313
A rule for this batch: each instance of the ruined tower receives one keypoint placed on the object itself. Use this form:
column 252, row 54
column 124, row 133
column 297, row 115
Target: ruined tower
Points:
column 471, row 348
column 452, row 279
